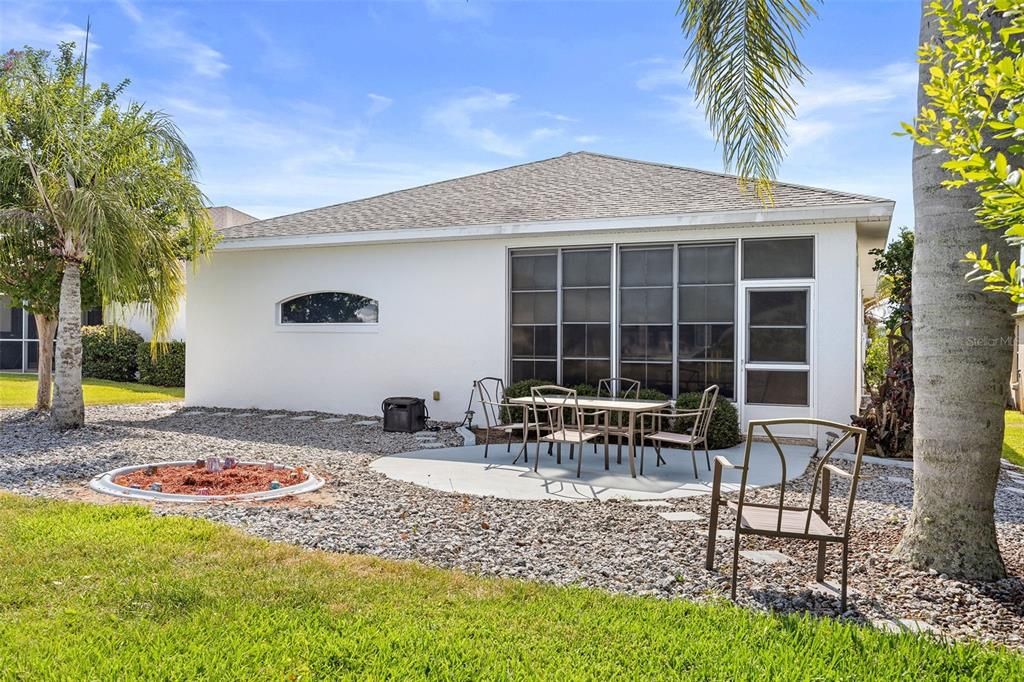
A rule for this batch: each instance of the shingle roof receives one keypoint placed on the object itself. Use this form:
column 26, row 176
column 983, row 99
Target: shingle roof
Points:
column 579, row 185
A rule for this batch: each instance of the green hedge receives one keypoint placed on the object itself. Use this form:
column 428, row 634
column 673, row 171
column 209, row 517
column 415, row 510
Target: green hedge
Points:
column 724, row 431
column 108, row 352
column 169, row 367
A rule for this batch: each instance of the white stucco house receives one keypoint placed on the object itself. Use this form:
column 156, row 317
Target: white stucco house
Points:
column 570, row 269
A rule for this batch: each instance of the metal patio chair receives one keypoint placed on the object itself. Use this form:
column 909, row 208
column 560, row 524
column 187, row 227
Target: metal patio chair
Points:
column 788, row 521
column 499, row 415
column 697, row 437
column 558, row 411
column 628, row 389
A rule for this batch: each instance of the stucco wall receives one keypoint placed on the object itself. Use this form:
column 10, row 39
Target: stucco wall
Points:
column 442, row 322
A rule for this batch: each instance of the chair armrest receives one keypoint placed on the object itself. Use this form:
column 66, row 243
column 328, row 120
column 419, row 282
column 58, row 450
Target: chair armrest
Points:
column 726, row 464
column 838, row 472
column 593, row 413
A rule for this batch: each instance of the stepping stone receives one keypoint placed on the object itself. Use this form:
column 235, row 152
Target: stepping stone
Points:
column 303, row 418
column 191, row 413
column 898, row 479
column 220, row 414
column 723, row 536
column 903, row 625
column 366, row 422
column 275, row 416
column 681, row 516
column 431, row 446
column 652, row 503
column 829, row 589
column 245, row 414
column 332, row 420
column 766, row 557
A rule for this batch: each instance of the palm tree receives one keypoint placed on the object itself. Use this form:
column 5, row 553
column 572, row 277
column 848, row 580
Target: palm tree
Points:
column 117, row 188
column 744, row 62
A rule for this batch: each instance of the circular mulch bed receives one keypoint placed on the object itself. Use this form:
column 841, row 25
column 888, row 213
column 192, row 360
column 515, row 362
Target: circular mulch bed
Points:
column 194, row 479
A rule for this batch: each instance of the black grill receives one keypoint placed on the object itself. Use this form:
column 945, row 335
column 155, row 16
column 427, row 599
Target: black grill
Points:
column 405, row 415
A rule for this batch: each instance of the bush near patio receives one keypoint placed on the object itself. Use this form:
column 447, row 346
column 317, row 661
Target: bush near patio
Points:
column 167, row 369
column 128, row 594
column 108, row 352
column 724, row 431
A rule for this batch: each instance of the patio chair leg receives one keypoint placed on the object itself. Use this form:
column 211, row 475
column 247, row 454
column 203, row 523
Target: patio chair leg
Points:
column 735, row 559
column 842, row 589
column 536, row 457
column 657, row 451
column 712, row 531
column 509, row 448
column 558, row 453
column 819, row 574
column 487, row 442
column 641, row 460
column 618, row 459
column 606, row 456
column 571, row 449
column 707, row 455
column 579, row 463
column 693, row 456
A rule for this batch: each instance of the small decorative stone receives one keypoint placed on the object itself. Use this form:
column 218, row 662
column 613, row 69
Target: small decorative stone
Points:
column 203, row 491
column 201, row 463
column 214, row 465
column 135, row 486
column 230, row 462
column 275, row 484
column 269, row 466
column 150, row 470
column 156, row 487
column 681, row 516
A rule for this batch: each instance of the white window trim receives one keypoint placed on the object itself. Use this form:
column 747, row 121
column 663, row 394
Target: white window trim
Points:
column 324, row 327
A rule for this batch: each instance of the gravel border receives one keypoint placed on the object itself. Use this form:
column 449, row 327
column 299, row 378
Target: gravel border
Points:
column 619, row 546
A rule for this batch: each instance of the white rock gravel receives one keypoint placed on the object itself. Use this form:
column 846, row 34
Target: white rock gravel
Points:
column 614, row 545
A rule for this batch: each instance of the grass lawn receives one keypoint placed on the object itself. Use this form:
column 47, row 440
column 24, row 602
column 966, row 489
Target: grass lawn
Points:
column 1013, row 438
column 114, row 592
column 19, row 390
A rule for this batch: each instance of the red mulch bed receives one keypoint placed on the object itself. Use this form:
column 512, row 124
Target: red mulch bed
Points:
column 187, row 479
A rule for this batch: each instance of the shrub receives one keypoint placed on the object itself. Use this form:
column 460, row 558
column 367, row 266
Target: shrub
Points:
column 724, row 431
column 168, row 369
column 108, row 352
column 520, row 389
column 651, row 394
column 876, row 362
column 583, row 390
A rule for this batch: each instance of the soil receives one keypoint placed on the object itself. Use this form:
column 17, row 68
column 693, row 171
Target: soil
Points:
column 188, row 479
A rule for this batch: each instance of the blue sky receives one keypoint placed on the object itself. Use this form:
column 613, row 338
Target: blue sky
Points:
column 295, row 105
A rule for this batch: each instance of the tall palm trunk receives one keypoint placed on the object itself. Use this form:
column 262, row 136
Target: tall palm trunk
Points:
column 45, row 327
column 962, row 353
column 68, row 410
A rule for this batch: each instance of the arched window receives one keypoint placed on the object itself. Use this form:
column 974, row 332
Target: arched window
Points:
column 329, row 307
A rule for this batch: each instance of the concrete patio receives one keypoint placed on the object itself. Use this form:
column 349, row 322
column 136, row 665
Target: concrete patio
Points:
column 464, row 470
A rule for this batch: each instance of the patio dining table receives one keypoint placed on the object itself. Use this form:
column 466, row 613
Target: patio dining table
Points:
column 631, row 407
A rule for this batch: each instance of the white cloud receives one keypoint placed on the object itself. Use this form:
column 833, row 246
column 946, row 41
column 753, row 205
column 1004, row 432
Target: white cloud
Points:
column 663, row 76
column 162, row 33
column 378, row 103
column 458, row 117
column 586, row 139
column 827, row 89
column 20, row 28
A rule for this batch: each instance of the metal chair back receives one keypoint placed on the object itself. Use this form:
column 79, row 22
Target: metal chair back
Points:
column 628, row 388
column 492, row 394
column 708, row 400
column 822, row 472
column 556, row 408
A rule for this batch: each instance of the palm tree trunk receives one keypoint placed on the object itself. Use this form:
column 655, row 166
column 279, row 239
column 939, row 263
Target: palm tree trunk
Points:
column 963, row 340
column 45, row 327
column 68, row 410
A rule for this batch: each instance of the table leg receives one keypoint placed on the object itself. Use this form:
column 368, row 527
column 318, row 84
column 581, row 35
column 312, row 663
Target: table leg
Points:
column 632, row 444
column 526, row 437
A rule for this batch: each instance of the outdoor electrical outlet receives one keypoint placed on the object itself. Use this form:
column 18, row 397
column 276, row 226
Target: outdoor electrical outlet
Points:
column 437, row 395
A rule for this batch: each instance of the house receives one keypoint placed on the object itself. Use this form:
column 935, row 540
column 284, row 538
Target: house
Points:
column 569, row 269
column 19, row 339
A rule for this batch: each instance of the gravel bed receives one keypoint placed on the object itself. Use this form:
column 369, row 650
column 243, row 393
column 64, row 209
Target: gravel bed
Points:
column 615, row 545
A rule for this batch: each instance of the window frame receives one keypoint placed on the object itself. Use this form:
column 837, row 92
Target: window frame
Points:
column 805, row 367
column 325, row 327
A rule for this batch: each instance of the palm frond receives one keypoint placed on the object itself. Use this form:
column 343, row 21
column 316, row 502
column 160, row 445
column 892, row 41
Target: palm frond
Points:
column 743, row 63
